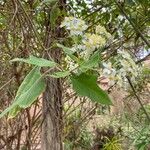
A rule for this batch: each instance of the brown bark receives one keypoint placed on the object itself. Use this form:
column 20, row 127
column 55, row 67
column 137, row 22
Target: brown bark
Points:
column 52, row 113
column 52, row 97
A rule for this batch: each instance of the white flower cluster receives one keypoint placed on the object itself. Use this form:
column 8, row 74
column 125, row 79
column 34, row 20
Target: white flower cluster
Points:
column 75, row 25
column 109, row 72
column 123, row 66
column 85, row 43
column 100, row 30
column 71, row 65
column 89, row 42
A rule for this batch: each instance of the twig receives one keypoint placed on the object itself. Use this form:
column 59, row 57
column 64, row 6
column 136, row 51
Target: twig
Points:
column 132, row 23
column 143, row 59
column 138, row 99
column 32, row 25
column 6, row 83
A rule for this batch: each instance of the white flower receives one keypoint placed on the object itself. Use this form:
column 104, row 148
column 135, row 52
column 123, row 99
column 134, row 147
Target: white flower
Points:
column 73, row 49
column 107, row 68
column 71, row 65
column 124, row 54
column 128, row 64
column 91, row 42
column 109, row 73
column 102, row 31
column 123, row 66
column 75, row 25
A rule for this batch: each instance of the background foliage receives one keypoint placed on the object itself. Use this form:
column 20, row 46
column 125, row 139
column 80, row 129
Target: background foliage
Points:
column 24, row 30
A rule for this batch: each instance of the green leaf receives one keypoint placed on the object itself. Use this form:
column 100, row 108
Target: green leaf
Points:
column 85, row 85
column 92, row 62
column 60, row 74
column 32, row 86
column 68, row 52
column 65, row 49
column 8, row 109
column 29, row 96
column 13, row 112
column 41, row 62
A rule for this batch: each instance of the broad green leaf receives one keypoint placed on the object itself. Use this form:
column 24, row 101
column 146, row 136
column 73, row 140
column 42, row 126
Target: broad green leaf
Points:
column 68, row 52
column 27, row 98
column 92, row 62
column 29, row 80
column 32, row 86
column 13, row 112
column 41, row 62
column 60, row 74
column 85, row 85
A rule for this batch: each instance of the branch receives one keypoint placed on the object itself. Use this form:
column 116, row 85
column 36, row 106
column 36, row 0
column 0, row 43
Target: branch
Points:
column 32, row 24
column 138, row 99
column 89, row 15
column 132, row 23
column 6, row 83
column 143, row 59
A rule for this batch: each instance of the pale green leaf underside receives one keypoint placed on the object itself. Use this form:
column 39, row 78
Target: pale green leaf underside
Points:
column 85, row 85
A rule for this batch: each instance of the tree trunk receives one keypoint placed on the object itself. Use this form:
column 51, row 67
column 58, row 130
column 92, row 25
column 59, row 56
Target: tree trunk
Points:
column 52, row 115
column 52, row 111
column 52, row 97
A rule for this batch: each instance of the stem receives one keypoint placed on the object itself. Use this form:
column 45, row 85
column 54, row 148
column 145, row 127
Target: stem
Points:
column 132, row 23
column 138, row 99
column 32, row 24
column 143, row 59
